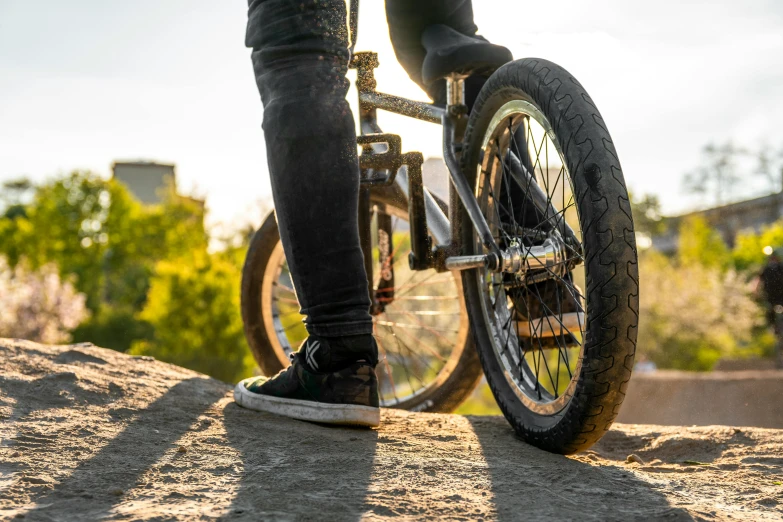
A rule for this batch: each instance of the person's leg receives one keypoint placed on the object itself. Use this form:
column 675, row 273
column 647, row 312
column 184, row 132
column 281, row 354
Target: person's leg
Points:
column 408, row 19
column 300, row 58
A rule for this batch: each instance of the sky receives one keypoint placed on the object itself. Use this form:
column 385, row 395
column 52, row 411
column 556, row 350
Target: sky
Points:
column 87, row 82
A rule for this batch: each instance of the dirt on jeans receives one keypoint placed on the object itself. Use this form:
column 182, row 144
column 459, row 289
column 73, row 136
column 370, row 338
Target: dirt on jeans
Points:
column 89, row 433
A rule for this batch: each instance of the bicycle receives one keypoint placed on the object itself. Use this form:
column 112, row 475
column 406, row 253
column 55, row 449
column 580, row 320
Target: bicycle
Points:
column 528, row 275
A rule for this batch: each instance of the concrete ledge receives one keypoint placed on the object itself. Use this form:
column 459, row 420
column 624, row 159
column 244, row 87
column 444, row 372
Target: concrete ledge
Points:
column 746, row 398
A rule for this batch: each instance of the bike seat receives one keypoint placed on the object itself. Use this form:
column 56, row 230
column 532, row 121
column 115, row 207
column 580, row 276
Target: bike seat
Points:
column 449, row 51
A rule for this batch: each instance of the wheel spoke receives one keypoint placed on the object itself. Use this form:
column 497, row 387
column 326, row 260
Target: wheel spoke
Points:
column 408, row 369
column 417, row 284
column 418, row 330
column 286, row 300
column 385, row 358
column 423, row 312
column 423, row 344
column 415, row 327
column 540, row 297
column 421, row 298
column 284, row 287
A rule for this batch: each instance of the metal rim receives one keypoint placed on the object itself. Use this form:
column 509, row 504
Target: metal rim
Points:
column 537, row 339
column 409, row 334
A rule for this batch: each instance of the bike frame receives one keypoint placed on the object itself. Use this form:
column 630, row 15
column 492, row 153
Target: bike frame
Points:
column 382, row 163
column 390, row 167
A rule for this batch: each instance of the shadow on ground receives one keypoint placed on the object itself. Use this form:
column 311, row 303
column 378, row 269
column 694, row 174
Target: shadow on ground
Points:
column 119, row 464
column 295, row 470
column 531, row 484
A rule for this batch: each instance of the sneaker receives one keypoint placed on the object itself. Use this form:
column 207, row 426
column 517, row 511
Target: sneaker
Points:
column 318, row 387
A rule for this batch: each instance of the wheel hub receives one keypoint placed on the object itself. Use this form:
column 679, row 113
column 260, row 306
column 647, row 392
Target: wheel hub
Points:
column 549, row 256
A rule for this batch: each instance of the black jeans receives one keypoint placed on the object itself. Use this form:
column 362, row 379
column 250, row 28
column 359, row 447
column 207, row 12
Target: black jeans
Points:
column 300, row 58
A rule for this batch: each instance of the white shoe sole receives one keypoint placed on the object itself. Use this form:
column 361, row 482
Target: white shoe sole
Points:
column 343, row 414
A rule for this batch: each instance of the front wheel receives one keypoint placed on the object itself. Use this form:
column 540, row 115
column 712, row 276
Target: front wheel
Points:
column 556, row 343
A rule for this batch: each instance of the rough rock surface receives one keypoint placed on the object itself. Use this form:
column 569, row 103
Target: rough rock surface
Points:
column 88, row 433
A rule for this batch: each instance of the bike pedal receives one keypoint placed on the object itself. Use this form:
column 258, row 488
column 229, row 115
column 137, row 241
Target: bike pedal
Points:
column 390, row 159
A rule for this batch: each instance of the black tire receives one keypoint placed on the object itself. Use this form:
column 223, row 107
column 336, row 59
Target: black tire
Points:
column 610, row 257
column 464, row 373
column 262, row 245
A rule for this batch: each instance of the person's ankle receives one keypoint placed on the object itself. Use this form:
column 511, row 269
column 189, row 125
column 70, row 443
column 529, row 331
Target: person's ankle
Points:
column 330, row 354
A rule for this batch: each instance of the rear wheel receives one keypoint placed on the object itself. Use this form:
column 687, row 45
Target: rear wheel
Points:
column 428, row 361
column 557, row 344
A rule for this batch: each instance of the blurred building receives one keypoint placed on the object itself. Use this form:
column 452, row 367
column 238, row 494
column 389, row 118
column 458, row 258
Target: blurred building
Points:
column 146, row 180
column 729, row 220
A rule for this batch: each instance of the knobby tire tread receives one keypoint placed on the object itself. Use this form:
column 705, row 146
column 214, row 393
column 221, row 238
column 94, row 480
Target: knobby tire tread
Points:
column 610, row 248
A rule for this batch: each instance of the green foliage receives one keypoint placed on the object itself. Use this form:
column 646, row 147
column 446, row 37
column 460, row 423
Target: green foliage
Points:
column 692, row 314
column 193, row 306
column 647, row 217
column 699, row 306
column 699, row 244
column 480, row 402
column 94, row 231
column 92, row 227
column 116, row 327
column 64, row 224
column 748, row 253
column 150, row 285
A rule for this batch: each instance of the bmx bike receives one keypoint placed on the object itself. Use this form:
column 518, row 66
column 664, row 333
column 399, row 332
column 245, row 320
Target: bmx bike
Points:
column 528, row 272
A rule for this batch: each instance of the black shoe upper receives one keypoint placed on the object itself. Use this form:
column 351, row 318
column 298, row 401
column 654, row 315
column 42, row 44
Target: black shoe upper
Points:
column 326, row 371
column 326, row 354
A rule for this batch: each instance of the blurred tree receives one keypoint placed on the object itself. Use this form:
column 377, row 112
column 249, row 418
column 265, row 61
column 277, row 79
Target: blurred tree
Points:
column 115, row 327
column 13, row 196
column 769, row 165
column 64, row 224
column 193, row 306
column 748, row 253
column 143, row 272
column 718, row 175
column 699, row 244
column 38, row 305
column 693, row 314
column 647, row 217
column 94, row 229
